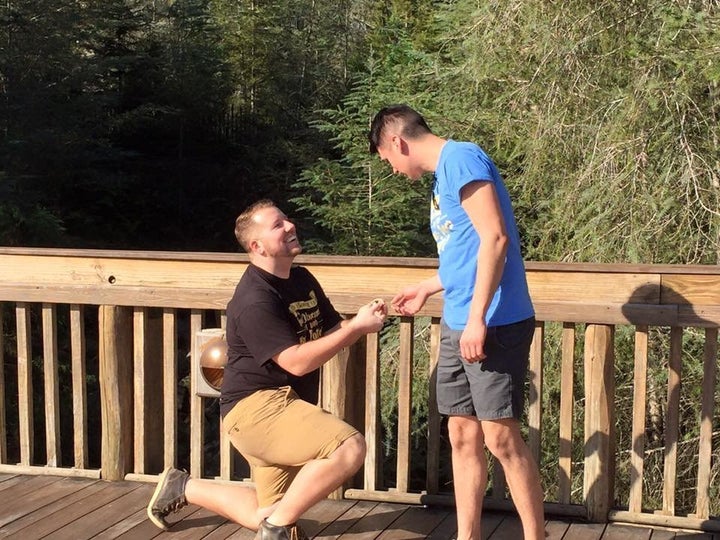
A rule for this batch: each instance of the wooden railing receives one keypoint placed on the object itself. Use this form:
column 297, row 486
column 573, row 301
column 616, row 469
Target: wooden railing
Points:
column 622, row 392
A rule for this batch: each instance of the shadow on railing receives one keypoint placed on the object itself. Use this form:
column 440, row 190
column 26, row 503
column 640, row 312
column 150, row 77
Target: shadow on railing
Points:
column 622, row 387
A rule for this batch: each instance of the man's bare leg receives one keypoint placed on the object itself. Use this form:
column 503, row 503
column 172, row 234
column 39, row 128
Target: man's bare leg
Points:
column 317, row 479
column 234, row 502
column 469, row 464
column 504, row 440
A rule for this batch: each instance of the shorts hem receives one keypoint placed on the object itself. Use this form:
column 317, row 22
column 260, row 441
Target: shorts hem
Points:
column 497, row 414
column 503, row 415
column 457, row 412
column 338, row 440
column 483, row 415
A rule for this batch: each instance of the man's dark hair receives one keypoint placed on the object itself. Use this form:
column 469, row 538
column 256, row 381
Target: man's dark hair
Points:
column 410, row 123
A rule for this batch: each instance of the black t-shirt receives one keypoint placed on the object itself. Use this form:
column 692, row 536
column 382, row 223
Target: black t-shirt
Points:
column 265, row 316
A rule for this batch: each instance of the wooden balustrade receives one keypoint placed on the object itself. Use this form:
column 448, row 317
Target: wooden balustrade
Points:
column 614, row 347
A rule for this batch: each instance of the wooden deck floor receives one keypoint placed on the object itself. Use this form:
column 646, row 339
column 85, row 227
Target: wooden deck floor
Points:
column 33, row 507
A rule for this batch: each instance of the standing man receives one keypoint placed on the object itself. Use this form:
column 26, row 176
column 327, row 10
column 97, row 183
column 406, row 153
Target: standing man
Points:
column 280, row 329
column 488, row 317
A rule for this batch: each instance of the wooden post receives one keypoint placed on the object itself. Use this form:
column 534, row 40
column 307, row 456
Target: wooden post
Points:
column 79, row 385
column 3, row 425
column 25, row 383
column 148, row 385
column 599, row 421
column 197, row 416
column 169, row 378
column 405, row 373
column 372, row 473
column 343, row 390
column 432, row 468
column 116, row 393
column 52, row 389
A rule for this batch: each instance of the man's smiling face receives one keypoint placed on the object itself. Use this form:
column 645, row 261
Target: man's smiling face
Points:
column 274, row 234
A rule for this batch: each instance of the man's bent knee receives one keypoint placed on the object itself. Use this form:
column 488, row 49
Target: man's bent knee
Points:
column 352, row 451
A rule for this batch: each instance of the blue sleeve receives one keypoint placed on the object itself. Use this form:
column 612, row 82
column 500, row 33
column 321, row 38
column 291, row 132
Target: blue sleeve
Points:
column 468, row 166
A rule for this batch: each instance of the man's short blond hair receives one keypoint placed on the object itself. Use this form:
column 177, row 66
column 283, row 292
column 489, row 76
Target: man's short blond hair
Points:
column 244, row 222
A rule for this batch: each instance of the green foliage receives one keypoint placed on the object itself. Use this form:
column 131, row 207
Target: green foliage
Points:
column 604, row 122
column 134, row 119
column 356, row 206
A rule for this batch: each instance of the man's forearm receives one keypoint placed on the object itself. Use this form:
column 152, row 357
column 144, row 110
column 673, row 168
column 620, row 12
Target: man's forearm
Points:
column 306, row 357
column 432, row 285
column 490, row 265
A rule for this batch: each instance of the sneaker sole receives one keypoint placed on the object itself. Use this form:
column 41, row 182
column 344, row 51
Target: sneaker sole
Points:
column 156, row 493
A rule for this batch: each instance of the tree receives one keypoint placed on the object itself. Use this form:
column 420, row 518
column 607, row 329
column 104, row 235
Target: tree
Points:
column 356, row 205
column 55, row 88
column 602, row 120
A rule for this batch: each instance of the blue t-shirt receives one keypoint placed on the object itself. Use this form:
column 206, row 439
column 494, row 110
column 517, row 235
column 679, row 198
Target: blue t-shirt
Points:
column 457, row 241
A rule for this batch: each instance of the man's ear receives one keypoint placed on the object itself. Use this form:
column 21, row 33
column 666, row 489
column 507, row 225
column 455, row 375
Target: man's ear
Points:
column 397, row 141
column 256, row 247
column 403, row 146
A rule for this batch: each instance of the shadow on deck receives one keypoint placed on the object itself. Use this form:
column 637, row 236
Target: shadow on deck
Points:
column 56, row 508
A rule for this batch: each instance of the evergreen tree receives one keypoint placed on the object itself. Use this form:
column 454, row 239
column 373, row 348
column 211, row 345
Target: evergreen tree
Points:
column 57, row 86
column 355, row 204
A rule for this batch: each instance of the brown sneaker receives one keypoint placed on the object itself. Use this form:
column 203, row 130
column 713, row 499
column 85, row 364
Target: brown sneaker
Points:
column 268, row 531
column 169, row 496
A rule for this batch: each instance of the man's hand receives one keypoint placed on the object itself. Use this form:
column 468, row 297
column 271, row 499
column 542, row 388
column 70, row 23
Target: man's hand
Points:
column 472, row 341
column 370, row 317
column 410, row 300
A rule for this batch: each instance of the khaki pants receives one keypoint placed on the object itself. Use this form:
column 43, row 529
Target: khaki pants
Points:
column 278, row 433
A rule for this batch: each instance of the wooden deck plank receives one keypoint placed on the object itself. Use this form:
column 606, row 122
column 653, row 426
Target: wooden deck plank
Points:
column 31, row 485
column 323, row 514
column 415, row 523
column 695, row 536
column 509, row 528
column 197, row 525
column 58, row 519
column 556, row 530
column 490, row 523
column 44, row 493
column 374, row 522
column 105, row 516
column 615, row 531
column 447, row 527
column 77, row 508
column 662, row 534
column 585, row 531
column 242, row 534
column 11, row 482
column 83, row 489
column 345, row 521
column 123, row 525
column 226, row 530
column 147, row 529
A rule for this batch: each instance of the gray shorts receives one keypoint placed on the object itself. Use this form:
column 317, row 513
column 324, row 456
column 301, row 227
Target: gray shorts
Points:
column 491, row 389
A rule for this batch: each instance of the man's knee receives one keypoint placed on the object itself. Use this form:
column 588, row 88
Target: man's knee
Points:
column 352, row 451
column 503, row 438
column 465, row 432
